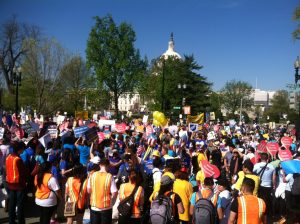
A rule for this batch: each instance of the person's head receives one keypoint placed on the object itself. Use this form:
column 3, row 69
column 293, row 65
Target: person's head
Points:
column 248, row 166
column 231, row 147
column 79, row 171
column 264, row 157
column 164, row 150
column 17, row 147
column 166, row 184
column 133, row 176
column 209, row 182
column 251, row 149
column 157, row 163
column 223, row 185
column 104, row 162
column 43, row 168
column 248, row 186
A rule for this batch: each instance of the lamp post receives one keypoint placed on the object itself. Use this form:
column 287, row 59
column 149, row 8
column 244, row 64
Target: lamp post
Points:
column 17, row 72
column 182, row 87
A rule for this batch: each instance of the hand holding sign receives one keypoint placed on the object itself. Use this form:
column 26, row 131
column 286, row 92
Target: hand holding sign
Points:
column 209, row 170
column 272, row 148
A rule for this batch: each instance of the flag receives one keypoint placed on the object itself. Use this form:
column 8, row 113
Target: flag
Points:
column 199, row 119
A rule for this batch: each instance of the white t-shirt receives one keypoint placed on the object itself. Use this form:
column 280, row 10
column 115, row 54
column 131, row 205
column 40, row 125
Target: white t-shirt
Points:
column 267, row 177
column 290, row 180
column 156, row 176
column 52, row 200
column 113, row 189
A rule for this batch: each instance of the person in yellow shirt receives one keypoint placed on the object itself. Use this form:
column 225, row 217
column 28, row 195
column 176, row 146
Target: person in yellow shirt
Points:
column 201, row 152
column 247, row 172
column 185, row 190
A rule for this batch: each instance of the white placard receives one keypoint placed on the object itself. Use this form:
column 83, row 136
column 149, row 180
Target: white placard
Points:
column 145, row 119
column 45, row 139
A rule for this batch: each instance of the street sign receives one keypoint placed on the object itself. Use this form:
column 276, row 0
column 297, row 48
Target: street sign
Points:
column 176, row 108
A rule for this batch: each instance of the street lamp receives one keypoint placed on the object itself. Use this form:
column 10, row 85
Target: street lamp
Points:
column 17, row 72
column 182, row 87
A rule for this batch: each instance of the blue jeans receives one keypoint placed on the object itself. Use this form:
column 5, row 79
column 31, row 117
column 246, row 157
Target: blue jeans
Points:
column 16, row 199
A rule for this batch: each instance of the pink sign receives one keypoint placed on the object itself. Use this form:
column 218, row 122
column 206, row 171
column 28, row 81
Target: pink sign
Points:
column 101, row 136
column 120, row 128
column 210, row 170
column 286, row 142
column 272, row 148
column 285, row 154
column 262, row 146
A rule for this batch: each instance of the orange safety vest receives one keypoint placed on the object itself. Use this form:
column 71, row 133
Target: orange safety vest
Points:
column 205, row 194
column 100, row 186
column 251, row 208
column 76, row 192
column 12, row 172
column 43, row 192
column 125, row 190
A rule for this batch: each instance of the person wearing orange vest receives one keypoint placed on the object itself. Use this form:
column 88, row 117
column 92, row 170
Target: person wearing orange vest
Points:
column 16, row 175
column 47, row 192
column 103, row 193
column 247, row 208
column 125, row 190
column 76, row 191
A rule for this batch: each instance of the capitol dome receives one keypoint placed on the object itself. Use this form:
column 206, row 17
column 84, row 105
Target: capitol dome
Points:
column 170, row 52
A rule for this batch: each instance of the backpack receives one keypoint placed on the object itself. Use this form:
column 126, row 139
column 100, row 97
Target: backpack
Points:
column 296, row 185
column 204, row 210
column 161, row 211
column 126, row 205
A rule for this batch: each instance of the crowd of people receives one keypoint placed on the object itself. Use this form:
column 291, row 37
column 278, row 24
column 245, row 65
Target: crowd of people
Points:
column 217, row 174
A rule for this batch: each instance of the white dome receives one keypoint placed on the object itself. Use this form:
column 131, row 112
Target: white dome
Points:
column 170, row 52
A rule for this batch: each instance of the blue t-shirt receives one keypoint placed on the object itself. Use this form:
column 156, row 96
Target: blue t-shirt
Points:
column 56, row 173
column 26, row 154
column 63, row 165
column 39, row 159
column 84, row 153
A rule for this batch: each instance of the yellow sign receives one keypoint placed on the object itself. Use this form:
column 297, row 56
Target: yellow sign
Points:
column 82, row 115
column 198, row 119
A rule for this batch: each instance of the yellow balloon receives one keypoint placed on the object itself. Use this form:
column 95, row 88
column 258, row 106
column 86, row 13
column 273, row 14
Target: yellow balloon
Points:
column 155, row 113
column 156, row 123
column 164, row 123
column 161, row 117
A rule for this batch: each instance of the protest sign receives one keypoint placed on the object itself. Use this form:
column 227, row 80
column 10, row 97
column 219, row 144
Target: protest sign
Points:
column 53, row 131
column 262, row 146
column 272, row 148
column 90, row 135
column 101, row 137
column 140, row 128
column 120, row 128
column 110, row 123
column 173, row 129
column 193, row 127
column 78, row 132
column 209, row 170
column 44, row 140
column 285, row 154
column 145, row 119
column 1, row 133
column 286, row 142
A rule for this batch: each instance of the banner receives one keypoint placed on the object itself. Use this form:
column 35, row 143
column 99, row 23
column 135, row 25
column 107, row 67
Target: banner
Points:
column 78, row 132
column 90, row 135
column 199, row 119
column 193, row 127
column 285, row 154
column 262, row 147
column 110, row 123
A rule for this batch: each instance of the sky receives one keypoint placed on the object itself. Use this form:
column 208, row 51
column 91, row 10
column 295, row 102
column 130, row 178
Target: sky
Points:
column 247, row 40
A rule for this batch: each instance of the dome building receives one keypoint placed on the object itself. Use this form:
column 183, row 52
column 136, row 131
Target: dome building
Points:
column 171, row 52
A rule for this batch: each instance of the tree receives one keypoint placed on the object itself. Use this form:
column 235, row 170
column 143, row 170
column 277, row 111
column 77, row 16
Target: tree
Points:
column 176, row 72
column 43, row 84
column 12, row 50
column 111, row 55
column 75, row 75
column 296, row 17
column 235, row 93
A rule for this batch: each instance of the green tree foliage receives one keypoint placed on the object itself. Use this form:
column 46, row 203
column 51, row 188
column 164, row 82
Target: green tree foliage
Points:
column 296, row 17
column 75, row 76
column 112, row 56
column 176, row 72
column 233, row 93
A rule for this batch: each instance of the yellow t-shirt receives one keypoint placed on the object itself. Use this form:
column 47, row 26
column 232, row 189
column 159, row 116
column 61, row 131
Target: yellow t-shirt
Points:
column 185, row 190
column 200, row 177
column 201, row 156
column 240, row 180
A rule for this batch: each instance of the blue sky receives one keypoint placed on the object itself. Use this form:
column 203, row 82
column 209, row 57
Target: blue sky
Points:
column 232, row 39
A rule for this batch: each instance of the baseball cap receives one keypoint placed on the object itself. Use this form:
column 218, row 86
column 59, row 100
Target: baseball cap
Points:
column 166, row 180
column 156, row 153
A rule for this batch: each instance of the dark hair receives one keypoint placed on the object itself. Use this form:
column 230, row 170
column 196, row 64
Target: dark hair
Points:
column 44, row 168
column 248, row 165
column 264, row 156
column 181, row 175
column 209, row 181
column 249, row 184
column 164, row 188
column 157, row 162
